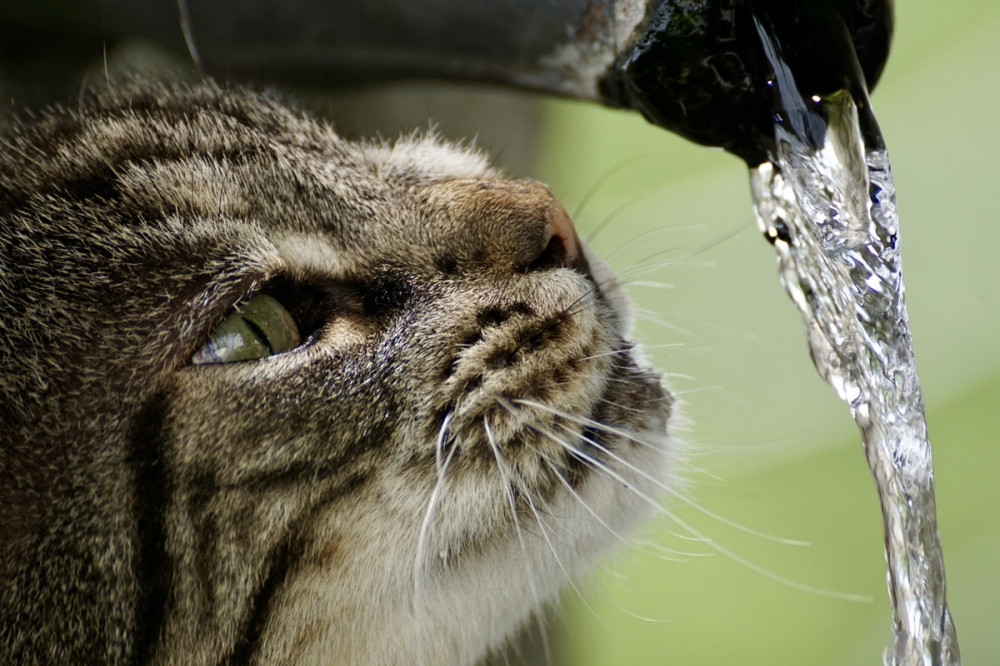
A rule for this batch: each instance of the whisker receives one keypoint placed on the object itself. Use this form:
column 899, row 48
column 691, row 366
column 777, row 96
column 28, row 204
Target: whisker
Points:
column 670, row 554
column 652, row 284
column 631, row 203
column 661, row 321
column 591, row 423
column 694, row 505
column 566, row 313
column 439, row 444
column 642, row 269
column 610, row 217
column 624, row 408
column 642, row 238
column 507, row 478
column 667, row 345
column 730, row 554
column 441, row 467
column 581, row 455
column 555, row 555
column 596, row 187
column 568, row 310
column 613, row 352
column 657, row 317
column 104, row 57
column 701, row 249
column 583, row 502
column 587, row 422
column 699, row 389
column 544, row 531
column 660, row 551
column 566, row 573
column 185, row 20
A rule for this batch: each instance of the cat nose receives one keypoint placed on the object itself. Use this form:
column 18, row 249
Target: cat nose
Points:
column 508, row 225
column 560, row 244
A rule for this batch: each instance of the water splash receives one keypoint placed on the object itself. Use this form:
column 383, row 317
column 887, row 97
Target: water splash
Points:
column 830, row 213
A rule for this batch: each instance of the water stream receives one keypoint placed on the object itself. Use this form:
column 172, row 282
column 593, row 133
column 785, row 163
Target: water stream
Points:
column 826, row 202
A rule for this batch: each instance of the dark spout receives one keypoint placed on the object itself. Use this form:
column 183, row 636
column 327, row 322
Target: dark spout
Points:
column 699, row 68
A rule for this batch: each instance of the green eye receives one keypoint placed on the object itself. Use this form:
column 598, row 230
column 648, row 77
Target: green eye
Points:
column 258, row 328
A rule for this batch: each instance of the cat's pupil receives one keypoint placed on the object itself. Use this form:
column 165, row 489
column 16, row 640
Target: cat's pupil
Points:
column 258, row 328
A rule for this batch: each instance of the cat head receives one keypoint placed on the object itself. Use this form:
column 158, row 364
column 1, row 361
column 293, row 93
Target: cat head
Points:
column 282, row 395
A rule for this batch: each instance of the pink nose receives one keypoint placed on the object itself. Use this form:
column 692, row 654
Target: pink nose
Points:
column 560, row 244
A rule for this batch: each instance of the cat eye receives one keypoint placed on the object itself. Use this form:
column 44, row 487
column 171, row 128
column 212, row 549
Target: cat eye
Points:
column 258, row 328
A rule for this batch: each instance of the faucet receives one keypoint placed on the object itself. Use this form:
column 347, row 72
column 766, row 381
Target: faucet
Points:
column 690, row 66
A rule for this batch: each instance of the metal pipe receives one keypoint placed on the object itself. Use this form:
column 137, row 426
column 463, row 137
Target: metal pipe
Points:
column 684, row 64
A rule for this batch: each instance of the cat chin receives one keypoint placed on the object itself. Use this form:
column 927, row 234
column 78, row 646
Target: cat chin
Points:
column 387, row 609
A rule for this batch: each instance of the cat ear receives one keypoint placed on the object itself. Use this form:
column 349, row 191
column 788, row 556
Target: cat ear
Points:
column 259, row 327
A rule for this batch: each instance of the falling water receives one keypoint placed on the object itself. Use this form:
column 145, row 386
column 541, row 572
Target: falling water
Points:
column 828, row 207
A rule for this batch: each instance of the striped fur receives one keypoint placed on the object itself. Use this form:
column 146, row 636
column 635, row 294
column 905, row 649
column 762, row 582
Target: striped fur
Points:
column 405, row 488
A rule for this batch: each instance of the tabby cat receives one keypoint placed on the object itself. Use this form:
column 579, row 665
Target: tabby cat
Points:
column 272, row 397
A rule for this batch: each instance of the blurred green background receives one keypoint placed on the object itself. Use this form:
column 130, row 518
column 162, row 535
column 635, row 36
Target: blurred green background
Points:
column 774, row 449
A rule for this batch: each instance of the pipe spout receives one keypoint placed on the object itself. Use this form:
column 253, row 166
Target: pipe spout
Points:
column 685, row 64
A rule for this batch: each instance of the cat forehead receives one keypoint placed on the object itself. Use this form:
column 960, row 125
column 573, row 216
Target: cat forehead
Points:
column 147, row 125
column 147, row 152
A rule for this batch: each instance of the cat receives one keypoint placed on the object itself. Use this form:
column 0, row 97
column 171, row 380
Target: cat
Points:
column 273, row 397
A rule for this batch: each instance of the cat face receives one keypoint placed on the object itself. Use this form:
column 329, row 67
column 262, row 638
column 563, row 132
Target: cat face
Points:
column 449, row 433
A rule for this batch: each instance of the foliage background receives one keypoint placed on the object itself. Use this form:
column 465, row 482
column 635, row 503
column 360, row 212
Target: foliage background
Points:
column 777, row 451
